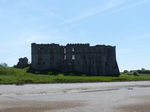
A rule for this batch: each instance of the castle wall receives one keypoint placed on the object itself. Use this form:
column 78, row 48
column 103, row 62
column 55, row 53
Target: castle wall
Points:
column 96, row 60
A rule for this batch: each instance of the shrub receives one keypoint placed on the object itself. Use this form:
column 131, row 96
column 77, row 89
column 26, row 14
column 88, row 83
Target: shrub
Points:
column 135, row 73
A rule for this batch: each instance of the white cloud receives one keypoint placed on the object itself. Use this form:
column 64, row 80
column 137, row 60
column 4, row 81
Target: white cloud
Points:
column 107, row 6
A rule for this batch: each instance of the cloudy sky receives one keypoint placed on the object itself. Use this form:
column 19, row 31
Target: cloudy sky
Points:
column 121, row 23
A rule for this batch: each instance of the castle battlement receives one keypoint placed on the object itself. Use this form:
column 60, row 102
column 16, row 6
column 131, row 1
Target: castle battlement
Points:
column 78, row 44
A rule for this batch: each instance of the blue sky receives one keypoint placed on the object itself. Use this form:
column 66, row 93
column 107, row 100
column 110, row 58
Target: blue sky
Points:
column 121, row 23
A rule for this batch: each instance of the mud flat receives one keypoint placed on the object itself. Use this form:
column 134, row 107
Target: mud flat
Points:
column 77, row 97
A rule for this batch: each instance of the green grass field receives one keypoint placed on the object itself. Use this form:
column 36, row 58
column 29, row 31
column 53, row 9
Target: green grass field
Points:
column 10, row 75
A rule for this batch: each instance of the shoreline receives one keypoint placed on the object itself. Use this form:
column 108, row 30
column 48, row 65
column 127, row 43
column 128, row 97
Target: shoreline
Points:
column 69, row 82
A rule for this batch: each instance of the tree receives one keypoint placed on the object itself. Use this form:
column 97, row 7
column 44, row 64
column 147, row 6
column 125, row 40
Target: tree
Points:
column 142, row 69
column 125, row 71
column 3, row 65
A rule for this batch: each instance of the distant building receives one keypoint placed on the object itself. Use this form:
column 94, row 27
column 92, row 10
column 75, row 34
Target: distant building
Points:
column 95, row 60
column 23, row 62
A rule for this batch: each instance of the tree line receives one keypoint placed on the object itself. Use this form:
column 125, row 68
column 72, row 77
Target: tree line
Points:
column 136, row 72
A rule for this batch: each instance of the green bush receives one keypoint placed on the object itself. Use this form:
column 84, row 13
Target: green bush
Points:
column 135, row 73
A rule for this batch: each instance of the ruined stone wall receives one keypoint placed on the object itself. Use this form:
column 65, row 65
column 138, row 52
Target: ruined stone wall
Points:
column 23, row 62
column 96, row 60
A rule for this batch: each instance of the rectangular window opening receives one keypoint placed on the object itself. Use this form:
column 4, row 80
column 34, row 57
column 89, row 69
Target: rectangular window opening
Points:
column 64, row 57
column 64, row 50
column 73, row 57
column 73, row 49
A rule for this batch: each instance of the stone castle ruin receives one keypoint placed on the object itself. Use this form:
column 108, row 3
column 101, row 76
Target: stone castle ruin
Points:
column 23, row 62
column 95, row 60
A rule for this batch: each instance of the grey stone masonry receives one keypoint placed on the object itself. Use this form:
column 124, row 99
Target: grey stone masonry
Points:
column 95, row 60
column 23, row 62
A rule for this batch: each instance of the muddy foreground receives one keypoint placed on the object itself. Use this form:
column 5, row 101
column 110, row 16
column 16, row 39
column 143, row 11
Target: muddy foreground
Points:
column 78, row 97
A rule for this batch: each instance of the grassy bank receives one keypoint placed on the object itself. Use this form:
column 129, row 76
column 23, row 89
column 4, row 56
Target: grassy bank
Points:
column 12, row 75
